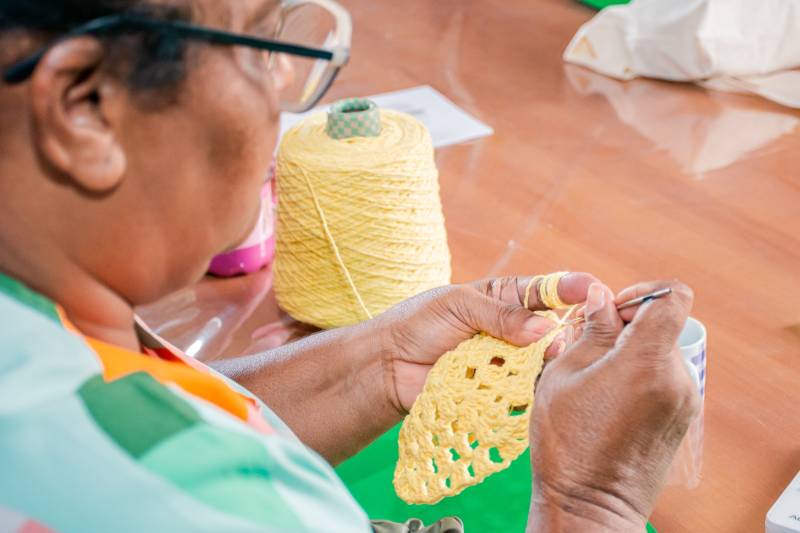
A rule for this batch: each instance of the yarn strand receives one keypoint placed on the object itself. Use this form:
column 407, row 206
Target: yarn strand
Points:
column 335, row 248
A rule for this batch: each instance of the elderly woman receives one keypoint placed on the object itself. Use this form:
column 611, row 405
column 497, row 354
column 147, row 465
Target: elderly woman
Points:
column 135, row 137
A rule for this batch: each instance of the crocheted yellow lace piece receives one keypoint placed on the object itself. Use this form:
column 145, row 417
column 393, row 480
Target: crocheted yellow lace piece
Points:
column 471, row 419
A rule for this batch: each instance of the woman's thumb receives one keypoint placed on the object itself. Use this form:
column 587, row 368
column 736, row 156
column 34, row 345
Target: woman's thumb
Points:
column 512, row 323
column 601, row 329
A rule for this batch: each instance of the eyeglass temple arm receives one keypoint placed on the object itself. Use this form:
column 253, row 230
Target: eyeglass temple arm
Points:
column 22, row 70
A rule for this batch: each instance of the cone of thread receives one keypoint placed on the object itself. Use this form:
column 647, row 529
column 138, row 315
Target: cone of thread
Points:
column 360, row 223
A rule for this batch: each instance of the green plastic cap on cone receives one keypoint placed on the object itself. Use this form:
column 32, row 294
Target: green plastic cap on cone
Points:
column 353, row 117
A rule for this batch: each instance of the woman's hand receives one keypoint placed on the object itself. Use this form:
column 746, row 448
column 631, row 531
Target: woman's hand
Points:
column 419, row 331
column 340, row 389
column 610, row 414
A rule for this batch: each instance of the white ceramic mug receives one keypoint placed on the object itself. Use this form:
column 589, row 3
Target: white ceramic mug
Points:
column 692, row 343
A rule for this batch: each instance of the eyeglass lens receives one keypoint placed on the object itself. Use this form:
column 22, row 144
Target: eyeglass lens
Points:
column 303, row 78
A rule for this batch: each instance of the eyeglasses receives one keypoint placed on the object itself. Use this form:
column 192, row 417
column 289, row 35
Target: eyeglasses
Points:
column 311, row 41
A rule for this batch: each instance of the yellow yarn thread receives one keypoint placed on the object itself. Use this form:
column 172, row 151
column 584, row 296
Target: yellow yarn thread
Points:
column 360, row 223
column 548, row 290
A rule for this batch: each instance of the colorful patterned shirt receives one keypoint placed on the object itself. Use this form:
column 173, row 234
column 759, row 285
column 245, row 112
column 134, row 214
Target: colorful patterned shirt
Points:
column 96, row 438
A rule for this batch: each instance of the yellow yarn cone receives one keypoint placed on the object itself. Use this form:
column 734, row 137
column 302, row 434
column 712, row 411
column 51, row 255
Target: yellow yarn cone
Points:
column 360, row 224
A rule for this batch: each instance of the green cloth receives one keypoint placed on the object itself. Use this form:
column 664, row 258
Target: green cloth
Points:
column 498, row 504
column 600, row 4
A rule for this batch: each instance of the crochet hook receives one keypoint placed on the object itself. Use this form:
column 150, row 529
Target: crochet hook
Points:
column 630, row 303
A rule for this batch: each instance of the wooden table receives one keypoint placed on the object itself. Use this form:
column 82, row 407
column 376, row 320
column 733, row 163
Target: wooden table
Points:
column 629, row 181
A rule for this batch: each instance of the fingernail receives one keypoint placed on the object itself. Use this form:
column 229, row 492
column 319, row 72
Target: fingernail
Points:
column 539, row 325
column 595, row 299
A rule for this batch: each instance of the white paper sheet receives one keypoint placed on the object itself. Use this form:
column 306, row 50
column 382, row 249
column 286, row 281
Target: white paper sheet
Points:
column 448, row 123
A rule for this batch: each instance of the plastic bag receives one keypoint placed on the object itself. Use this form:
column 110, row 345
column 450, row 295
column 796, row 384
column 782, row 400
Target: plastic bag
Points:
column 732, row 45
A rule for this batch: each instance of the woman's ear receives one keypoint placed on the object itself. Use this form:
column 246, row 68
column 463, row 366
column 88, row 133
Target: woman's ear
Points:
column 283, row 73
column 71, row 97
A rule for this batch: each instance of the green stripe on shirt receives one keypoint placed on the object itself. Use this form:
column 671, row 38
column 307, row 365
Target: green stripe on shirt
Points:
column 22, row 294
column 159, row 414
column 225, row 470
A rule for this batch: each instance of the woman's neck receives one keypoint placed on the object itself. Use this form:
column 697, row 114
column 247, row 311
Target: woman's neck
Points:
column 94, row 309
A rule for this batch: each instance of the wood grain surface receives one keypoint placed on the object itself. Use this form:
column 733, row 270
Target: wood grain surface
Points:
column 630, row 181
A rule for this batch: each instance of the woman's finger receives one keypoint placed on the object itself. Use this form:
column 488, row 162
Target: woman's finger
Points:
column 556, row 348
column 572, row 289
column 509, row 322
column 636, row 291
column 656, row 325
column 600, row 331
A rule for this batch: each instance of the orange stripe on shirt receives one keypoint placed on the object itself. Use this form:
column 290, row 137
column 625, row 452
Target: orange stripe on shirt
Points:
column 168, row 367
column 119, row 362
